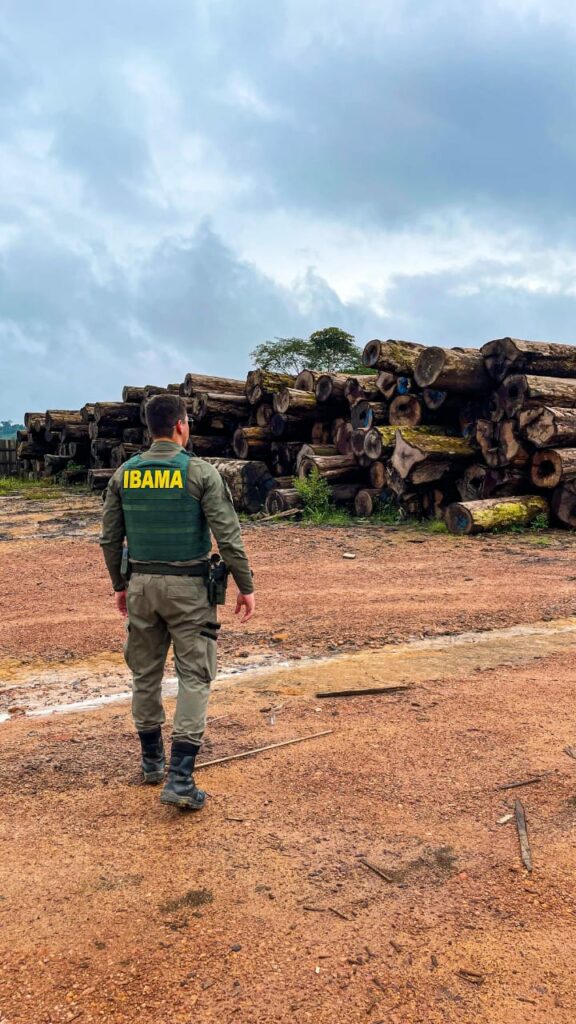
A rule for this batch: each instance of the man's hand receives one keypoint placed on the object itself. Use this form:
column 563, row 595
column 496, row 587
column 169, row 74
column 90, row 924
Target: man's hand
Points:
column 120, row 601
column 246, row 602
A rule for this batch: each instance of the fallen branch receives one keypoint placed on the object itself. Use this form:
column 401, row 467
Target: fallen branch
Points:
column 368, row 691
column 279, row 515
column 571, row 751
column 525, row 782
column 377, row 871
column 523, row 835
column 326, row 910
column 473, row 977
column 258, row 750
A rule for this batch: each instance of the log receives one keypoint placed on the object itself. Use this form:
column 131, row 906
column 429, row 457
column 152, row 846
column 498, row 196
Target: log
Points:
column 292, row 428
column 34, row 420
column 122, row 414
column 321, row 432
column 471, row 484
column 262, row 384
column 381, row 440
column 364, row 386
column 513, row 355
column 252, row 442
column 289, row 400
column 195, row 382
column 377, row 474
column 465, row 518
column 366, row 414
column 313, row 451
column 133, row 435
column 552, row 467
column 330, row 387
column 386, row 384
column 433, row 503
column 307, row 380
column 88, row 412
column 283, row 456
column 367, row 501
column 54, row 464
column 410, row 451
column 519, row 389
column 500, row 443
column 283, row 483
column 79, row 451
column 398, row 357
column 406, row 411
column 344, row 439
column 122, row 452
column 132, row 394
column 249, row 482
column 282, row 500
column 335, row 468
column 449, row 369
column 547, row 427
column 75, row 432
column 98, row 479
column 264, row 413
column 215, row 403
column 564, row 506
column 56, row 419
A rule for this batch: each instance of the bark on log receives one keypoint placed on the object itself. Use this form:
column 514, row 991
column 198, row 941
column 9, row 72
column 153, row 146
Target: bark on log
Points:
column 410, row 452
column 289, row 400
column 386, row 384
column 314, row 451
column 98, row 479
column 553, row 467
column 547, row 427
column 195, row 382
column 132, row 394
column 321, row 432
column 519, row 389
column 381, row 440
column 449, row 369
column 75, row 432
column 564, row 506
column 122, row 452
column 500, row 443
column 514, row 355
column 208, row 403
column 364, row 386
column 335, row 468
column 251, row 443
column 122, row 414
column 377, row 474
column 367, row 501
column 34, row 420
column 133, row 435
column 291, row 428
column 398, row 357
column 433, row 503
column 406, row 411
column 344, row 439
column 366, row 414
column 88, row 412
column 330, row 387
column 56, row 419
column 262, row 384
column 249, row 482
column 282, row 500
column 477, row 516
column 264, row 413
column 283, row 457
column 54, row 464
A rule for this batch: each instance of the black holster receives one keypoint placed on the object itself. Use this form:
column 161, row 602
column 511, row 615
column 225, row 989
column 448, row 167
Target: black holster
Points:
column 217, row 580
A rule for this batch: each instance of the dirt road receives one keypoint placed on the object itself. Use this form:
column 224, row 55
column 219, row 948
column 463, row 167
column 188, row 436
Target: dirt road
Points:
column 261, row 909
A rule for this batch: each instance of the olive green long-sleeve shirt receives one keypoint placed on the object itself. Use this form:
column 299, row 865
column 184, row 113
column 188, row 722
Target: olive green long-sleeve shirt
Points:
column 207, row 486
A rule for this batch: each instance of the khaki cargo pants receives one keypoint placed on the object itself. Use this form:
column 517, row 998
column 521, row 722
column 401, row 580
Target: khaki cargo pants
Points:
column 164, row 609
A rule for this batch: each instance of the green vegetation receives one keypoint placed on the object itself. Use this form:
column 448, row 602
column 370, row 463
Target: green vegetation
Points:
column 8, row 429
column 315, row 494
column 330, row 350
column 33, row 490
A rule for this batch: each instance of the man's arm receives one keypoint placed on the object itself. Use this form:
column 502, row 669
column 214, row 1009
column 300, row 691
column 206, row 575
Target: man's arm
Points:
column 113, row 533
column 219, row 510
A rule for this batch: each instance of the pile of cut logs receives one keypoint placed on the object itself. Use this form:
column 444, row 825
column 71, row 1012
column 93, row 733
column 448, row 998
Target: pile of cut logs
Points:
column 479, row 437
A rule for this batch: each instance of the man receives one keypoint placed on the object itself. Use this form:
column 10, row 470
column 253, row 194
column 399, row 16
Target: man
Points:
column 165, row 503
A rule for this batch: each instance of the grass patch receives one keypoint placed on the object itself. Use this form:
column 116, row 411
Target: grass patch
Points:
column 192, row 898
column 315, row 494
column 37, row 490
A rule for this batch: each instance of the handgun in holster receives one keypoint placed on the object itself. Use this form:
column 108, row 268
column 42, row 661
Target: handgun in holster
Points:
column 217, row 580
column 125, row 564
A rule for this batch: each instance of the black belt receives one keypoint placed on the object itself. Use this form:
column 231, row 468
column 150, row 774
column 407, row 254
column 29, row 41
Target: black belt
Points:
column 158, row 569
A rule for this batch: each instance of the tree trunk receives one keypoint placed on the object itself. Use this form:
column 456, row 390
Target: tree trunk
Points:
column 367, row 501
column 564, row 506
column 54, row 464
column 451, row 370
column 377, row 474
column 344, row 439
column 283, row 457
column 314, row 451
column 330, row 387
column 216, row 404
column 471, row 484
column 132, row 394
column 198, row 382
column 386, row 384
column 122, row 414
column 252, row 442
column 478, row 516
column 547, row 427
column 335, row 428
column 398, row 357
column 290, row 427
column 75, row 432
column 262, row 384
column 289, row 400
column 500, row 443
column 406, row 411
column 553, row 467
column 56, row 419
column 34, row 420
column 307, row 380
column 249, row 482
column 335, row 468
column 87, row 412
column 366, row 414
column 207, row 445
column 410, row 452
column 431, row 470
column 283, row 500
column 543, row 358
column 98, row 479
column 362, row 387
column 520, row 389
column 264, row 413
column 133, row 435
column 381, row 440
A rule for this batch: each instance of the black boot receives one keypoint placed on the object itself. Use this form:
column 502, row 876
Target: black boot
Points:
column 153, row 760
column 180, row 789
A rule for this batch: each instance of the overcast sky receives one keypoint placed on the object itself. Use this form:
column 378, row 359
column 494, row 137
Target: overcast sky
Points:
column 184, row 179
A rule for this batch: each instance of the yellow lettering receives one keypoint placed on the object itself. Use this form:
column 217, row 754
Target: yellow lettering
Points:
column 126, row 478
column 147, row 480
column 162, row 478
column 176, row 480
column 135, row 478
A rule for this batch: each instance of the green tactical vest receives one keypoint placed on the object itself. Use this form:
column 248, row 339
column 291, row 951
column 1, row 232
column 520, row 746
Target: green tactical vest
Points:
column 164, row 522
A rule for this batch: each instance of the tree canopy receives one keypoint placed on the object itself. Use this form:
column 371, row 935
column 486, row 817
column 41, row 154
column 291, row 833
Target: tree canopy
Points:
column 330, row 350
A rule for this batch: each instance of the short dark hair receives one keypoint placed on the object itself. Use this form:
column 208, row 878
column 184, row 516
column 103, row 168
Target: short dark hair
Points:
column 163, row 413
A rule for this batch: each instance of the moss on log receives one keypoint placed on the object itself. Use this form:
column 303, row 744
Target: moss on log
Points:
column 514, row 355
column 397, row 357
column 494, row 513
column 410, row 451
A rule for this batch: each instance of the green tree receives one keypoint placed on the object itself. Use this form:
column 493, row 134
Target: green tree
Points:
column 330, row 350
